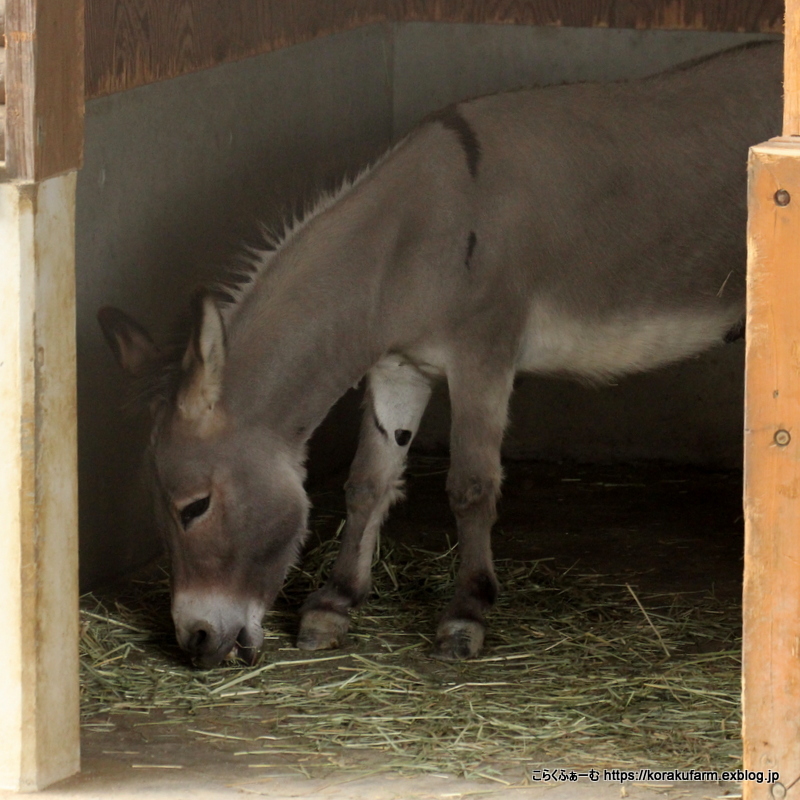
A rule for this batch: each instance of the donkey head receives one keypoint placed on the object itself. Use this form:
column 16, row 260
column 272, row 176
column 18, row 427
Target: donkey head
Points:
column 229, row 497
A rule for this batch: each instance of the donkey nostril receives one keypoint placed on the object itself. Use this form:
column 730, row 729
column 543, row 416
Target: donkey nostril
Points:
column 196, row 640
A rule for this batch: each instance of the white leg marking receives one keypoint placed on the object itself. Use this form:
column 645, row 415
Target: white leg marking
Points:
column 400, row 393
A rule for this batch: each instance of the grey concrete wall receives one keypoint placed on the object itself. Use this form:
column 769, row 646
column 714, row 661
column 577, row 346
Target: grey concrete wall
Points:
column 176, row 174
column 689, row 413
column 436, row 64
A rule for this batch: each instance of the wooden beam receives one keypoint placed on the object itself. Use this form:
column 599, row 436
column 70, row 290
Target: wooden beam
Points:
column 44, row 87
column 39, row 692
column 134, row 42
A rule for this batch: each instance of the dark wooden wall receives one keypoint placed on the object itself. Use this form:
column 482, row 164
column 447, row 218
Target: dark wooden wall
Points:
column 134, row 42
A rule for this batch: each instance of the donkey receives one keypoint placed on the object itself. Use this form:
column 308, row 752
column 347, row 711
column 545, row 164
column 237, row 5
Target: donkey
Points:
column 589, row 230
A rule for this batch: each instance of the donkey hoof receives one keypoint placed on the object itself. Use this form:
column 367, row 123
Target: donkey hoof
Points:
column 458, row 639
column 322, row 630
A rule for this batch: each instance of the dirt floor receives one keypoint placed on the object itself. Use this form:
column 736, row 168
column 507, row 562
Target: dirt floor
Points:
column 661, row 529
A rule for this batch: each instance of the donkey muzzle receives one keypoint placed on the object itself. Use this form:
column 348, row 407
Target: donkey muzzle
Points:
column 211, row 627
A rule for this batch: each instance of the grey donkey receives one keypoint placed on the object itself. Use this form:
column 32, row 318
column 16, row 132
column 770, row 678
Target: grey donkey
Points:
column 590, row 230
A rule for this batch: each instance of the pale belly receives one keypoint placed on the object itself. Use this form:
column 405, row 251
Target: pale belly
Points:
column 556, row 344
column 553, row 343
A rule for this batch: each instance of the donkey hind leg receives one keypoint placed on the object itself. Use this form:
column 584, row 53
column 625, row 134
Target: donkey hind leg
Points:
column 397, row 394
column 479, row 413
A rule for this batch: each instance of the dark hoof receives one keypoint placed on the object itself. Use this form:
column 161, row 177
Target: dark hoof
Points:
column 322, row 630
column 457, row 640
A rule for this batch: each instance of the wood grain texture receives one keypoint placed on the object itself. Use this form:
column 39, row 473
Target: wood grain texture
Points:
column 44, row 87
column 771, row 647
column 20, row 86
column 791, row 70
column 134, row 42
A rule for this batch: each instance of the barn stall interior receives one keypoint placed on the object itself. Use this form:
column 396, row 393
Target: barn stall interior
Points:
column 616, row 641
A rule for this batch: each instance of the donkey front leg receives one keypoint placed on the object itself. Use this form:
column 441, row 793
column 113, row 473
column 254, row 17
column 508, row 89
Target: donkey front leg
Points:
column 479, row 413
column 397, row 394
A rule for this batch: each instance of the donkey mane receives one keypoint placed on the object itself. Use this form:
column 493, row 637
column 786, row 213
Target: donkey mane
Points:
column 253, row 266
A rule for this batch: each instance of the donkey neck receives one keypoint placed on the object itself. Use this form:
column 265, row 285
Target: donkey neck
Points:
column 310, row 326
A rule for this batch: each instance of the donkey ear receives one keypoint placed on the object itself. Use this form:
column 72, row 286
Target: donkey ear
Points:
column 130, row 343
column 204, row 359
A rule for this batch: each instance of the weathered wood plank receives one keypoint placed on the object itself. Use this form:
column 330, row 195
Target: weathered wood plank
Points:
column 2, row 75
column 771, row 650
column 39, row 692
column 134, row 42
column 19, row 87
column 44, row 87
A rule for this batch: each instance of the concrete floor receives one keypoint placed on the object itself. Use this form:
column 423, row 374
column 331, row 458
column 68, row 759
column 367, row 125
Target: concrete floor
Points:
column 107, row 777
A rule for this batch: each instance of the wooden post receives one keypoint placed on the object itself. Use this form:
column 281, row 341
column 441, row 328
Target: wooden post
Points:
column 771, row 680
column 39, row 689
column 771, row 648
column 39, row 697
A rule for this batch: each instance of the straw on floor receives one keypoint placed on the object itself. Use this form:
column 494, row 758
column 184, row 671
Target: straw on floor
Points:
column 577, row 672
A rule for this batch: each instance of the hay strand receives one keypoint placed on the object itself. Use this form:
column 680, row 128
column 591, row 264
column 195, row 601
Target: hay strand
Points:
column 649, row 621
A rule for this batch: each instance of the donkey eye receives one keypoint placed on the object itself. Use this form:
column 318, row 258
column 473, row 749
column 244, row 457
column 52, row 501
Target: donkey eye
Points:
column 194, row 510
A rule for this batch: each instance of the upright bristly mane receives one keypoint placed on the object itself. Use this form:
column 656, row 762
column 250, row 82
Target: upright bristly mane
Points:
column 250, row 267
column 253, row 264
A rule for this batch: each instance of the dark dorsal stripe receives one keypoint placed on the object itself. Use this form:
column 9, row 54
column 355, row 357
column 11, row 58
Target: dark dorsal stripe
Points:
column 471, row 242
column 451, row 118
